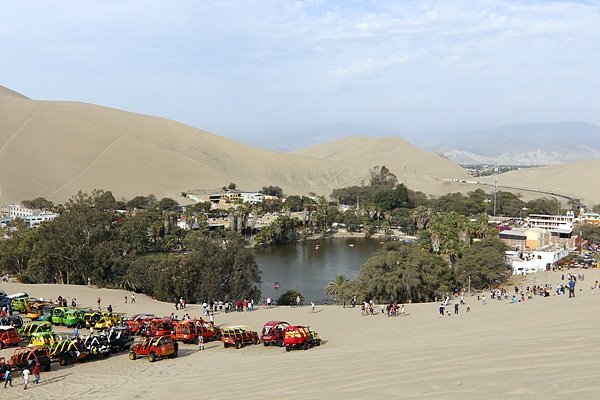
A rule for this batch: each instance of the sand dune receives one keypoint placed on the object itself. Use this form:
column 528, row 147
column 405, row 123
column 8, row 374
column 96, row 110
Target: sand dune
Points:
column 545, row 348
column 53, row 149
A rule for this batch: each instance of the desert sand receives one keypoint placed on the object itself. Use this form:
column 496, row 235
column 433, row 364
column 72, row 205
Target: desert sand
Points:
column 53, row 149
column 544, row 348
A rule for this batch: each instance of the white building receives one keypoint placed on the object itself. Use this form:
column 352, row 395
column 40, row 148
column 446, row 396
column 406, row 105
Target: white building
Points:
column 537, row 260
column 252, row 197
column 17, row 210
column 35, row 220
column 562, row 223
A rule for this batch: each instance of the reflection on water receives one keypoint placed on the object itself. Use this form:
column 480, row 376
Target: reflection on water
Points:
column 309, row 266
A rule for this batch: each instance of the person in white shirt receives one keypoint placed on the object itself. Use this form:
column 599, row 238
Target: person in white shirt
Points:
column 26, row 377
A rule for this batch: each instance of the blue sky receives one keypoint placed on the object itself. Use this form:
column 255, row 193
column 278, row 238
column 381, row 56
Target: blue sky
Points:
column 256, row 67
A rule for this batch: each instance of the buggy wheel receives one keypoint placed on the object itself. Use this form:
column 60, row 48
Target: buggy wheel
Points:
column 288, row 348
column 218, row 336
column 226, row 345
column 238, row 345
column 1, row 345
column 305, row 346
column 152, row 357
column 132, row 355
column 47, row 368
column 63, row 362
column 280, row 343
column 318, row 342
column 256, row 341
column 265, row 343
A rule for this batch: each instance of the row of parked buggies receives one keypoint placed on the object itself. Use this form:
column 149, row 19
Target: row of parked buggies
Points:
column 159, row 336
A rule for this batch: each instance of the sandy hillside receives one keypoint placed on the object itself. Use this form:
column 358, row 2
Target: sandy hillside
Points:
column 393, row 152
column 579, row 180
column 53, row 149
column 545, row 348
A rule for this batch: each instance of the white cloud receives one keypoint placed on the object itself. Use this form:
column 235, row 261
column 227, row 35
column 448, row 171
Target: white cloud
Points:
column 317, row 59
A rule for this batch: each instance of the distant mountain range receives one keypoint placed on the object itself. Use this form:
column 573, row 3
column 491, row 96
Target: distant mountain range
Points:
column 513, row 144
column 525, row 144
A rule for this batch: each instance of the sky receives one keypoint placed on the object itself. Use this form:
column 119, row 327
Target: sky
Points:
column 275, row 67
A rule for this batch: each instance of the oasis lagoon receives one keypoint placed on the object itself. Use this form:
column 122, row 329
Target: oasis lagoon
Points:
column 309, row 266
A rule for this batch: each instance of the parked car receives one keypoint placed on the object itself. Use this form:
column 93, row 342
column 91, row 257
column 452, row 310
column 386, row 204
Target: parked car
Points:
column 157, row 327
column 35, row 309
column 69, row 351
column 208, row 330
column 109, row 319
column 238, row 336
column 272, row 333
column 300, row 337
column 35, row 326
column 47, row 313
column 23, row 356
column 8, row 336
column 12, row 320
column 74, row 317
column 154, row 348
column 47, row 339
column 185, row 331
column 97, row 345
column 119, row 338
column 58, row 315
column 20, row 304
column 136, row 321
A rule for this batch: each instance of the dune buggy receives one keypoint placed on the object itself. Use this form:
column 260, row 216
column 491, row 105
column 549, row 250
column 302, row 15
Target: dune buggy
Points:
column 238, row 336
column 9, row 336
column 300, row 337
column 97, row 345
column 154, row 348
column 69, row 351
column 24, row 356
column 119, row 338
column 272, row 333
column 34, row 327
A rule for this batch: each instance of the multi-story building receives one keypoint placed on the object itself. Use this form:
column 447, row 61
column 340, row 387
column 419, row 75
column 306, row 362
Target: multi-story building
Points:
column 561, row 223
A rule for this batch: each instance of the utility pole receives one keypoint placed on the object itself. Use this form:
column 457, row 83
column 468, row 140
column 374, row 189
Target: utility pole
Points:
column 495, row 186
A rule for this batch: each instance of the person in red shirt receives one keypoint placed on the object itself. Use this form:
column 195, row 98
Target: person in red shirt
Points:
column 36, row 372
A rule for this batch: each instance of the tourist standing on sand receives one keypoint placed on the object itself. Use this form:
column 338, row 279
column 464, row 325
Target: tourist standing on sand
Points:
column 125, row 299
column 26, row 373
column 298, row 301
column 456, row 308
column 200, row 342
column 7, row 377
column 133, row 297
column 572, row 288
column 99, row 301
column 36, row 373
column 312, row 304
column 442, row 309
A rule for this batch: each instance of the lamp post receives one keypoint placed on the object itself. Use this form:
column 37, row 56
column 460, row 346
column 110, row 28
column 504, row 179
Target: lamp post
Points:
column 465, row 271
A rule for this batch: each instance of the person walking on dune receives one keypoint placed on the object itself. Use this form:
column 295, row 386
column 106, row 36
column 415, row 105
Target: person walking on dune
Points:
column 7, row 377
column 26, row 373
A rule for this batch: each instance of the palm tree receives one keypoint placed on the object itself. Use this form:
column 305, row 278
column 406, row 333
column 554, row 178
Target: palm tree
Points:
column 334, row 287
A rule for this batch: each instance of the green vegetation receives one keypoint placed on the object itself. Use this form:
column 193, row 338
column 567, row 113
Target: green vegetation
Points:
column 272, row 191
column 140, row 248
column 289, row 298
column 402, row 272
